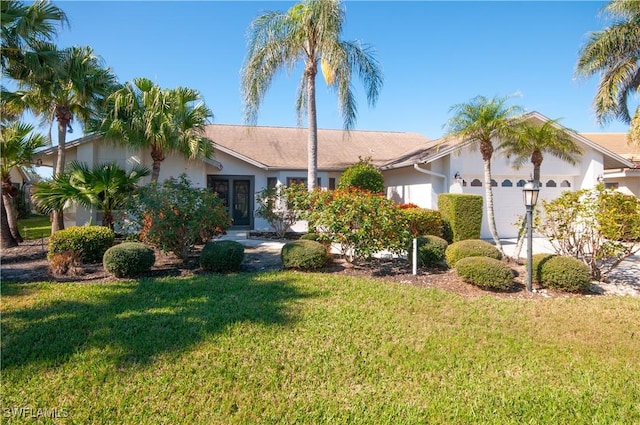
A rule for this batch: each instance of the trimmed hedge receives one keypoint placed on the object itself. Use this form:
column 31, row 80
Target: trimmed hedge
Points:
column 303, row 255
column 563, row 273
column 431, row 250
column 423, row 221
column 461, row 216
column 222, row 256
column 485, row 272
column 470, row 248
column 87, row 243
column 129, row 259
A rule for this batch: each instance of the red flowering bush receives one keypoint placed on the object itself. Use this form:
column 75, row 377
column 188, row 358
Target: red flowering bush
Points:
column 362, row 222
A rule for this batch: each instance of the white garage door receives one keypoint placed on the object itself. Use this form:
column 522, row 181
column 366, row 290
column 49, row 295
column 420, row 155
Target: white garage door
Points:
column 508, row 200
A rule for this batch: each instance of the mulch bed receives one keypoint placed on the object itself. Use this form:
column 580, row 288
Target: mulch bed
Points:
column 28, row 263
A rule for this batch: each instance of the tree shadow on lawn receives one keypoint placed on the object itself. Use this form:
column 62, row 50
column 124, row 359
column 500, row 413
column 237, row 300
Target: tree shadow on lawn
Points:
column 132, row 322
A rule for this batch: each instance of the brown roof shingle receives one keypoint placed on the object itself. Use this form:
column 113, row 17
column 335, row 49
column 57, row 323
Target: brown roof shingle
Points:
column 286, row 147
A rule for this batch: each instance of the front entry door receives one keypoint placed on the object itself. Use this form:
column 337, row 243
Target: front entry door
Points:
column 236, row 195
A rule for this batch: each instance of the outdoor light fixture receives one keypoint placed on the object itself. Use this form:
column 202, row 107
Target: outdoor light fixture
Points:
column 530, row 191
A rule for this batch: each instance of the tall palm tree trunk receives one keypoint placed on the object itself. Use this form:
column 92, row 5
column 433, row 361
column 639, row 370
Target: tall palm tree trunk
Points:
column 64, row 117
column 158, row 156
column 490, row 212
column 12, row 216
column 6, row 238
column 312, row 143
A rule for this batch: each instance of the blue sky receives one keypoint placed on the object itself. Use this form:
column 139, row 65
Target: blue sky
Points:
column 433, row 54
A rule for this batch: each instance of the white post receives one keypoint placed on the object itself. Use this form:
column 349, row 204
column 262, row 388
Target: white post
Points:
column 415, row 256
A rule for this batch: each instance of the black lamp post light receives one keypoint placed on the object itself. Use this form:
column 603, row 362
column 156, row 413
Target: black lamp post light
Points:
column 530, row 191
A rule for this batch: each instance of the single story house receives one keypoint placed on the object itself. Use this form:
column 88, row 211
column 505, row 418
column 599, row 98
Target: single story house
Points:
column 416, row 169
column 626, row 180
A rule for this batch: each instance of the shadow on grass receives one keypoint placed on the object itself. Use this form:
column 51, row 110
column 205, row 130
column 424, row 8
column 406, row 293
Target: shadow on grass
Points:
column 131, row 323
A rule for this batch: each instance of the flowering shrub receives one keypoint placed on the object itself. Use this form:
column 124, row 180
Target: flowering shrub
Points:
column 362, row 222
column 282, row 206
column 362, row 175
column 599, row 226
column 175, row 216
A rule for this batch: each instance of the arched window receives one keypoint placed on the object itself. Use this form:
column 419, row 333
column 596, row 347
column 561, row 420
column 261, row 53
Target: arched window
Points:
column 521, row 183
column 494, row 183
column 551, row 183
column 507, row 183
column 476, row 183
column 565, row 183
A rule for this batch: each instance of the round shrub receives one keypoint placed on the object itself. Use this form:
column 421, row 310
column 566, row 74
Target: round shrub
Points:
column 363, row 175
column 303, row 255
column 311, row 236
column 222, row 256
column 128, row 259
column 431, row 250
column 485, row 272
column 470, row 248
column 565, row 274
column 537, row 261
column 87, row 243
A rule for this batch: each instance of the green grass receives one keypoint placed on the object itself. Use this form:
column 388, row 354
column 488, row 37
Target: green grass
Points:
column 35, row 227
column 287, row 347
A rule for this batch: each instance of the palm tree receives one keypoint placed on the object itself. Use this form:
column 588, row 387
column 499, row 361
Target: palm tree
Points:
column 24, row 26
column 308, row 32
column 613, row 53
column 105, row 186
column 142, row 115
column 17, row 146
column 477, row 123
column 531, row 143
column 73, row 86
column 533, row 140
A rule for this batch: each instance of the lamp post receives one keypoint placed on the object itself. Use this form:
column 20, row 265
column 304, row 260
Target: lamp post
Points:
column 530, row 191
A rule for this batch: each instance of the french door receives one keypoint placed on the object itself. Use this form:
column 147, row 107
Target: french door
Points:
column 236, row 193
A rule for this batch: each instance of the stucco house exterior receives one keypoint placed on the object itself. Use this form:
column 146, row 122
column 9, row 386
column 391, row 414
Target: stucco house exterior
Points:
column 415, row 168
column 626, row 180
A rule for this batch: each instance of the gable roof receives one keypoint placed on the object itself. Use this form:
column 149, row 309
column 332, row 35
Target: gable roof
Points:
column 446, row 146
column 273, row 148
column 617, row 142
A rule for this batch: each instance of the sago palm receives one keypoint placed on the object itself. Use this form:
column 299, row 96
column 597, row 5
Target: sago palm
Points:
column 18, row 144
column 477, row 124
column 73, row 87
column 309, row 32
column 105, row 186
column 613, row 54
column 143, row 115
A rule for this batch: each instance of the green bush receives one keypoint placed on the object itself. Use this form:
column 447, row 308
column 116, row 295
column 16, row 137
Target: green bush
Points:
column 537, row 261
column 362, row 175
column 423, row 221
column 303, row 255
column 565, row 274
column 128, row 259
column 431, row 250
column 311, row 236
column 461, row 214
column 222, row 256
column 361, row 222
column 88, row 243
column 485, row 272
column 470, row 248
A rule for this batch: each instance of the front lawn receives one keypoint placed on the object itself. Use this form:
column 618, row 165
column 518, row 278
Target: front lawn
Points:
column 35, row 227
column 288, row 347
